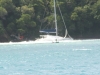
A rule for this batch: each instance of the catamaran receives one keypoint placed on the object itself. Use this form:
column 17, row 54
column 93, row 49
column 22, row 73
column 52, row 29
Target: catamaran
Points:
column 54, row 38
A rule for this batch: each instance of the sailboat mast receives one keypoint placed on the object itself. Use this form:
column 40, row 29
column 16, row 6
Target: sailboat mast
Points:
column 55, row 17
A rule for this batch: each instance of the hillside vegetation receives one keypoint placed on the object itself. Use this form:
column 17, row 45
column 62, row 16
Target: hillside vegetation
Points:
column 24, row 17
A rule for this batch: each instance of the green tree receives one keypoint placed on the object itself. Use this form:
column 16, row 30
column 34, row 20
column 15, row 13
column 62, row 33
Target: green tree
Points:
column 2, row 30
column 3, row 12
column 11, row 28
column 25, row 24
column 8, row 5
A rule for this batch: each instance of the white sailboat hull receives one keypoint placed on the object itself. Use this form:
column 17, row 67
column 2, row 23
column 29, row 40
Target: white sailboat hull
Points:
column 53, row 39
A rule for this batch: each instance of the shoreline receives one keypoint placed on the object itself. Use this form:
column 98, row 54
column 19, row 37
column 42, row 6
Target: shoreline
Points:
column 33, row 41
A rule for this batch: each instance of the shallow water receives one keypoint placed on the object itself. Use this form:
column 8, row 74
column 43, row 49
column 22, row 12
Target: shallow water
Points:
column 78, row 57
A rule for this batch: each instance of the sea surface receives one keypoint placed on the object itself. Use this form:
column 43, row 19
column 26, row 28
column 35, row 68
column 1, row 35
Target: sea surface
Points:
column 78, row 57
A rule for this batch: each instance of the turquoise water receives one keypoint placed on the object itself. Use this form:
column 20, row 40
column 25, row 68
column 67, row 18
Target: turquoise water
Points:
column 70, row 58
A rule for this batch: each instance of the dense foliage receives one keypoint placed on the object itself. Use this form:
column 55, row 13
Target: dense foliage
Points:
column 24, row 17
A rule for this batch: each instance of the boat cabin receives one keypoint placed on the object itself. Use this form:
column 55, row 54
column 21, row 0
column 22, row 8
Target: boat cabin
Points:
column 45, row 32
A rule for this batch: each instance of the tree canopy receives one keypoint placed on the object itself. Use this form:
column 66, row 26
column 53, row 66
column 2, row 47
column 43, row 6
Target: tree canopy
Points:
column 24, row 17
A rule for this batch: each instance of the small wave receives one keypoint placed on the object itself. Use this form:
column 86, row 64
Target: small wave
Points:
column 81, row 49
column 12, row 43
